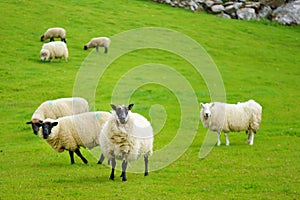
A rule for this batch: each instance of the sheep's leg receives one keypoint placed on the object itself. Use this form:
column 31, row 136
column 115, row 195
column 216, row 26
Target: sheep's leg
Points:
column 124, row 167
column 51, row 39
column 64, row 40
column 146, row 165
column 250, row 137
column 113, row 166
column 71, row 153
column 227, row 140
column 101, row 159
column 77, row 151
column 219, row 138
column 105, row 49
column 97, row 48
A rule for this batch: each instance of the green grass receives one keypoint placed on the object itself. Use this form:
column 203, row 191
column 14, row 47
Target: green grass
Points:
column 258, row 60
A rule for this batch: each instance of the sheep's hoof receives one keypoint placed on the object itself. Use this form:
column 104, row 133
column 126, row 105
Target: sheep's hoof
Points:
column 124, row 179
column 99, row 162
column 112, row 178
column 146, row 174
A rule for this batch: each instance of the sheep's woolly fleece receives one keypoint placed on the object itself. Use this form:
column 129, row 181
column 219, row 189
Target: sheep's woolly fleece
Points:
column 77, row 130
column 60, row 107
column 128, row 141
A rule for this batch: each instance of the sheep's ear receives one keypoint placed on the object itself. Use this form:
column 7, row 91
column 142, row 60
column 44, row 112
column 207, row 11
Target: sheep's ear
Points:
column 130, row 106
column 202, row 105
column 54, row 123
column 30, row 122
column 113, row 107
column 212, row 105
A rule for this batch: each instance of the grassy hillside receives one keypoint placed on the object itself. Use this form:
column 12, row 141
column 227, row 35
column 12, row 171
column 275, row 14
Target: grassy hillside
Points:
column 256, row 60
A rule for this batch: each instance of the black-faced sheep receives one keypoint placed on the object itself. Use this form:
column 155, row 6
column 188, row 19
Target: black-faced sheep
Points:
column 222, row 117
column 53, row 50
column 98, row 42
column 58, row 108
column 54, row 33
column 126, row 136
column 72, row 132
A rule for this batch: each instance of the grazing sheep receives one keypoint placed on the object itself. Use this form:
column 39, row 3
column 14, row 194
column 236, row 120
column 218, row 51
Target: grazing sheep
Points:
column 98, row 42
column 224, row 117
column 72, row 132
column 57, row 108
column 54, row 33
column 54, row 50
column 126, row 136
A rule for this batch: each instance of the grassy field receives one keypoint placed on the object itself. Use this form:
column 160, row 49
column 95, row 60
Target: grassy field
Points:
column 257, row 60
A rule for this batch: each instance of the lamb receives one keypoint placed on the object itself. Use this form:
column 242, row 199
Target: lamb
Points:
column 72, row 132
column 54, row 33
column 245, row 116
column 126, row 136
column 98, row 42
column 57, row 108
column 54, row 50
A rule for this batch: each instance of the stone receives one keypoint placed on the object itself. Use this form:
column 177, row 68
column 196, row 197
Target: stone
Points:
column 264, row 12
column 209, row 3
column 224, row 15
column 217, row 8
column 246, row 13
column 230, row 9
column 288, row 14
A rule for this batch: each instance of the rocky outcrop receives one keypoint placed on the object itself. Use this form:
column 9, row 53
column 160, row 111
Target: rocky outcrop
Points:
column 287, row 13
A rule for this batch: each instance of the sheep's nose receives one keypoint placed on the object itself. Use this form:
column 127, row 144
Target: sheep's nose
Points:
column 206, row 114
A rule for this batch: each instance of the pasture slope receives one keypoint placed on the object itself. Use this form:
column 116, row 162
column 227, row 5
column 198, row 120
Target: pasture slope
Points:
column 258, row 60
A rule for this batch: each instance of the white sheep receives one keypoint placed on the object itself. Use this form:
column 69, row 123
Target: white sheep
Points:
column 75, row 131
column 126, row 136
column 53, row 50
column 58, row 108
column 222, row 117
column 54, row 33
column 98, row 42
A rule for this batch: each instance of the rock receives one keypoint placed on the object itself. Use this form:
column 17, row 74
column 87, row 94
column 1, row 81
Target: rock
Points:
column 264, row 12
column 217, row 8
column 209, row 3
column 218, row 1
column 230, row 9
column 237, row 5
column 224, row 15
column 288, row 14
column 250, row 4
column 246, row 13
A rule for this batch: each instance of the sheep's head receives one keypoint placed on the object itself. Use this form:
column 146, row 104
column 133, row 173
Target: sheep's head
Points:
column 35, row 125
column 85, row 47
column 45, row 54
column 42, row 38
column 121, row 112
column 206, row 110
column 46, row 128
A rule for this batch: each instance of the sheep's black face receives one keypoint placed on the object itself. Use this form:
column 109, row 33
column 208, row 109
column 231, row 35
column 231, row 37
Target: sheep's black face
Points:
column 35, row 126
column 42, row 38
column 46, row 128
column 85, row 47
column 122, row 112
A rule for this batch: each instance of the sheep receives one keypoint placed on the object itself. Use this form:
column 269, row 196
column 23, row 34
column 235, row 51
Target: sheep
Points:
column 54, row 33
column 98, row 42
column 57, row 108
column 126, row 136
column 72, row 132
column 245, row 116
column 54, row 49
